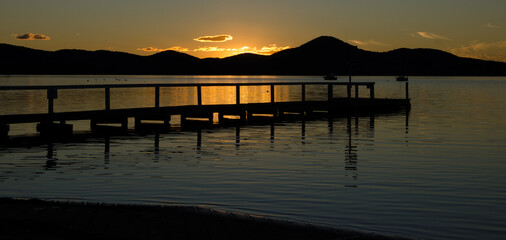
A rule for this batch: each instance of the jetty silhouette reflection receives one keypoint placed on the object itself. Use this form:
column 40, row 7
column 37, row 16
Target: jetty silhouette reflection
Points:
column 355, row 125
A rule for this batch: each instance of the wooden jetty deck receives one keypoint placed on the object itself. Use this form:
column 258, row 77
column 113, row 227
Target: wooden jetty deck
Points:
column 200, row 114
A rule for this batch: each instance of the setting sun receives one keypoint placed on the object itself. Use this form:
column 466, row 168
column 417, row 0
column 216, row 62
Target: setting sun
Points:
column 215, row 46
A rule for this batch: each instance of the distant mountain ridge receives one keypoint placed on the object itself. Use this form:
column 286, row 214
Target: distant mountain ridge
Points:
column 319, row 56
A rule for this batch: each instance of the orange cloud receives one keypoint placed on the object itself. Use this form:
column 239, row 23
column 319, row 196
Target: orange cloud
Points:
column 209, row 49
column 367, row 43
column 429, row 35
column 271, row 49
column 153, row 49
column 490, row 25
column 217, row 38
column 31, row 36
column 149, row 49
column 179, row 49
column 482, row 50
column 266, row 50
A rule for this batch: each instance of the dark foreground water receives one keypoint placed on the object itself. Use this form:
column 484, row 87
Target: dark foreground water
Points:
column 437, row 172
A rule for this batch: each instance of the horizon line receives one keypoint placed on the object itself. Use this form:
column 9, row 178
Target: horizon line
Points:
column 252, row 53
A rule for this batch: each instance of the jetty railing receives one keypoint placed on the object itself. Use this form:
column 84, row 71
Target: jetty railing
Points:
column 52, row 91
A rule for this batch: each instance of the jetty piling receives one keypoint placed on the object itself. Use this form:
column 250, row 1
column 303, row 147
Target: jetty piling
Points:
column 407, row 90
column 157, row 96
column 52, row 93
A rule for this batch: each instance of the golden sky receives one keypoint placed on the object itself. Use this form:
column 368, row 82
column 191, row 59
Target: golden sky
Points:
column 206, row 28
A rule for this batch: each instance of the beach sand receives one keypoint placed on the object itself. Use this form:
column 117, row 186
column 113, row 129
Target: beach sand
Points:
column 38, row 219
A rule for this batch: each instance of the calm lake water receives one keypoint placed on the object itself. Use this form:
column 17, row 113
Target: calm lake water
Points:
column 437, row 172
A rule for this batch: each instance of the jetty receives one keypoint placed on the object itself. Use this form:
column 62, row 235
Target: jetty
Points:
column 199, row 114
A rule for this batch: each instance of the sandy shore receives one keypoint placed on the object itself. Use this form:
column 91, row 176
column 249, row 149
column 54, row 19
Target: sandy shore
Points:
column 37, row 219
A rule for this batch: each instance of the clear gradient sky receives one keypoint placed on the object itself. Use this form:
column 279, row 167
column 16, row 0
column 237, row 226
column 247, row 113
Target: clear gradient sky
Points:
column 470, row 28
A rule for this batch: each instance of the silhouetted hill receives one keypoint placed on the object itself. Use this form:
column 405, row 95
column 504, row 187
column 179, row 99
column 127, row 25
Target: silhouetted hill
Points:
column 319, row 56
column 169, row 62
column 20, row 60
column 84, row 62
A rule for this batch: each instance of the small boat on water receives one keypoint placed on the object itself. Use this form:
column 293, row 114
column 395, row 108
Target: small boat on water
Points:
column 330, row 77
column 402, row 78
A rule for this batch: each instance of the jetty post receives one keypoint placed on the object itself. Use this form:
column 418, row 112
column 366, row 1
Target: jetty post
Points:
column 371, row 90
column 158, row 116
column 348, row 87
column 4, row 132
column 199, row 117
column 238, row 110
column 238, row 94
column 157, row 96
column 52, row 93
column 199, row 95
column 407, row 90
column 106, row 118
column 272, row 93
column 303, row 94
column 330, row 93
column 264, row 113
column 107, row 98
column 47, row 127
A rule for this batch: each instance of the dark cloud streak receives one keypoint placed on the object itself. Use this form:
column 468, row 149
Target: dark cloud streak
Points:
column 31, row 36
column 217, row 38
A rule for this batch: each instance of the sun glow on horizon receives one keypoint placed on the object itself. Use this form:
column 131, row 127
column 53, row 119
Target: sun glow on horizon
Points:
column 221, row 52
column 219, row 46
